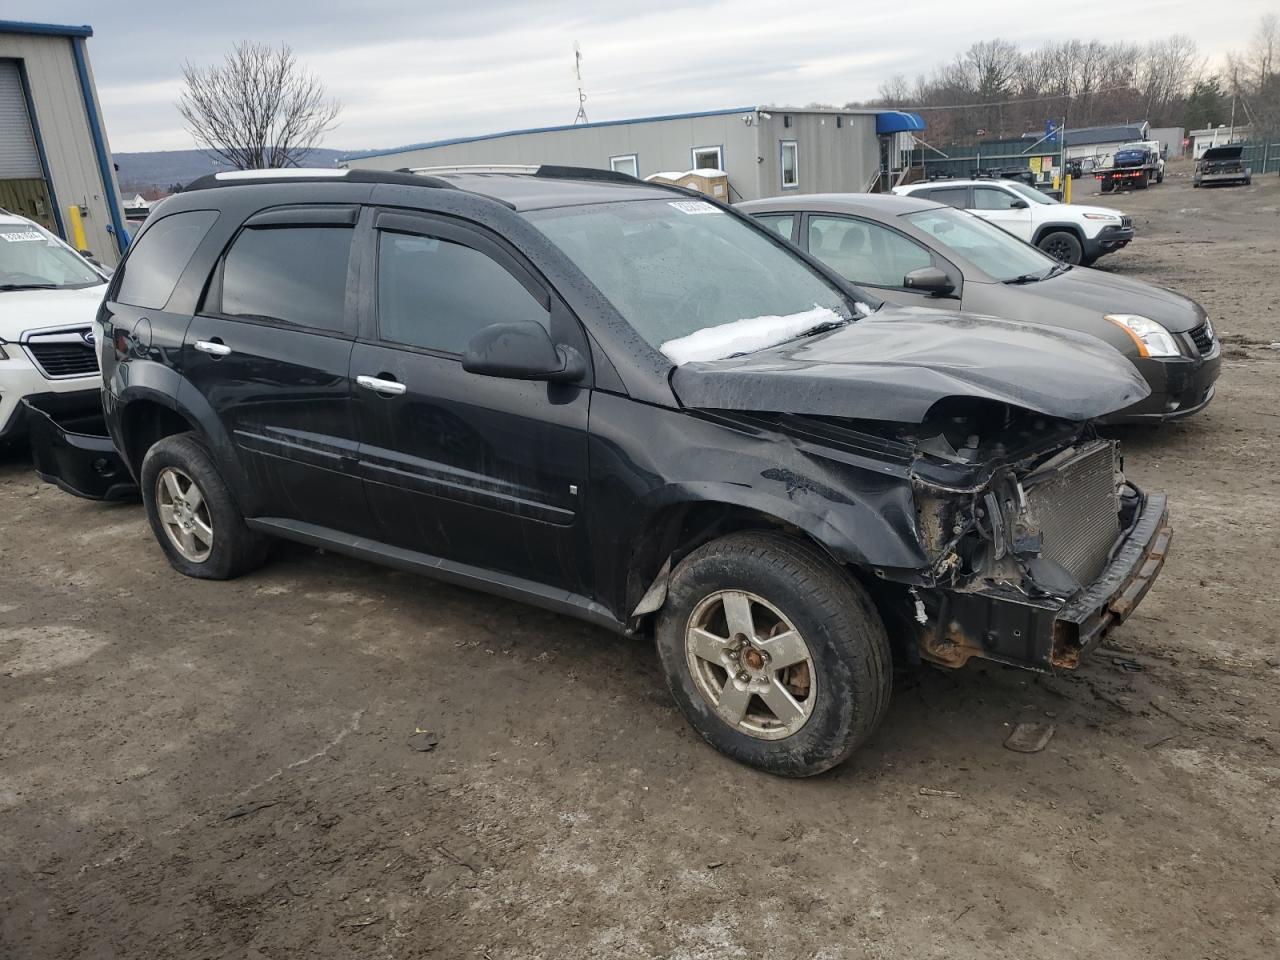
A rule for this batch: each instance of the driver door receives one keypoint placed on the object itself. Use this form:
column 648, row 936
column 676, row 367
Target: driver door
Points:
column 479, row 470
column 1005, row 209
column 872, row 255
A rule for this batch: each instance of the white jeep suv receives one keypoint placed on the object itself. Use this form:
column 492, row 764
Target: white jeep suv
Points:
column 49, row 297
column 1073, row 233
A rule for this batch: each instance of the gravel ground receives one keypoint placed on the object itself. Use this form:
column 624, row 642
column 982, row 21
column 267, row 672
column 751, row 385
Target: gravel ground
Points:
column 194, row 769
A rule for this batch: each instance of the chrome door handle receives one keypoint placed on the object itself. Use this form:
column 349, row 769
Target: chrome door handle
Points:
column 388, row 388
column 213, row 349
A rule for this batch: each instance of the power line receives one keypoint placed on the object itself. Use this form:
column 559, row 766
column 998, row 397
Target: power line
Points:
column 1006, row 103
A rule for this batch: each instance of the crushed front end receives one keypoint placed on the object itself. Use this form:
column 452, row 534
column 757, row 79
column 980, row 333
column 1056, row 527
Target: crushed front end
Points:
column 1038, row 544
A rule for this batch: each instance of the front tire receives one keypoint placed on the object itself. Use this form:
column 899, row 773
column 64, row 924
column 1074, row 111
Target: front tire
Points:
column 192, row 514
column 1062, row 246
column 775, row 656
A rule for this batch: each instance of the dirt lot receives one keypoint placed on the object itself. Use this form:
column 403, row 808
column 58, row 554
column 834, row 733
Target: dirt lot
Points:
column 198, row 769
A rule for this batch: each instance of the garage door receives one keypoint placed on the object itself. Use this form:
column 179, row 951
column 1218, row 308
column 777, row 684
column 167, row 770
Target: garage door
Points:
column 18, row 157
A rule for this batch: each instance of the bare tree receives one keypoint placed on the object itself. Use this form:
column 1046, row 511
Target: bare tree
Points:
column 259, row 109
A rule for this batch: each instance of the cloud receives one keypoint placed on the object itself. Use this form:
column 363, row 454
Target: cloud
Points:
column 410, row 73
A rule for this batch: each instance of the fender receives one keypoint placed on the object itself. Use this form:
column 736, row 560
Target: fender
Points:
column 1054, row 227
column 155, row 383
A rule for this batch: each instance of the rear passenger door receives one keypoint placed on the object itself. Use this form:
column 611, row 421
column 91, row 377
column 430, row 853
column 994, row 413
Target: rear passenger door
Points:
column 270, row 352
column 482, row 471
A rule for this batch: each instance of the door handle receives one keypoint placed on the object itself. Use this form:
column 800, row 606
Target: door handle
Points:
column 387, row 388
column 213, row 348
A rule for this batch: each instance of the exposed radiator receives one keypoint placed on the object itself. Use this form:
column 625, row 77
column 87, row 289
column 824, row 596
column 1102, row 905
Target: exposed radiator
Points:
column 1077, row 509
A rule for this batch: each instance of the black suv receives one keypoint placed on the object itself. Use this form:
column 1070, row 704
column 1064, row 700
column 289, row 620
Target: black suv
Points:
column 626, row 403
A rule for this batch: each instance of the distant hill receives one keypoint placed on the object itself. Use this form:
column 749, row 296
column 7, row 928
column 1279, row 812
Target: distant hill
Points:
column 161, row 168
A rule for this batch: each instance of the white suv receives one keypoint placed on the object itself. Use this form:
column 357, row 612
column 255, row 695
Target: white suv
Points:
column 1071, row 232
column 49, row 296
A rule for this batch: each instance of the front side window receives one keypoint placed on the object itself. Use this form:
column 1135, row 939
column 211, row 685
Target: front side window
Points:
column 993, row 198
column 673, row 267
column 437, row 294
column 790, row 164
column 708, row 158
column 996, row 253
column 629, row 164
column 782, row 223
column 31, row 258
column 865, row 252
column 295, row 275
column 158, row 257
column 1032, row 194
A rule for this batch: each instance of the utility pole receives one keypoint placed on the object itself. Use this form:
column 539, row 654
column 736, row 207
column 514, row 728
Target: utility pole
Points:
column 582, row 97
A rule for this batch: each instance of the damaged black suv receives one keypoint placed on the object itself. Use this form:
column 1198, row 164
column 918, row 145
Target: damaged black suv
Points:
column 628, row 404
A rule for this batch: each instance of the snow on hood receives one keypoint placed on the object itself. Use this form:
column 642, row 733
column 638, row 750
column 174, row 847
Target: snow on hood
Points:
column 745, row 336
column 25, row 310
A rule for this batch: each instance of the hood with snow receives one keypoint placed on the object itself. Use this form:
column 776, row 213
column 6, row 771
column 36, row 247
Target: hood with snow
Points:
column 899, row 362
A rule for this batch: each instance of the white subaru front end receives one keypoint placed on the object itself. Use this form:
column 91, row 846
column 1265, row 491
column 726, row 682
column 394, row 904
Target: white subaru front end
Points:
column 49, row 297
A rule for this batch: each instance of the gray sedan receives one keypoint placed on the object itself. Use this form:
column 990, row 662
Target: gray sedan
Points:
column 921, row 253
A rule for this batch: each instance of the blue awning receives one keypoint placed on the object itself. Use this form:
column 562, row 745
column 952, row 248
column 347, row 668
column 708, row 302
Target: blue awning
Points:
column 897, row 121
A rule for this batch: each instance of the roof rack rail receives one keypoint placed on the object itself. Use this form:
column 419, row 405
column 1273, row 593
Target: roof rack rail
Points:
column 228, row 178
column 548, row 170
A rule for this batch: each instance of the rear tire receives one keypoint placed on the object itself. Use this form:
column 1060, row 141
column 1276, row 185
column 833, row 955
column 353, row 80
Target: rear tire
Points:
column 830, row 672
column 1062, row 246
column 192, row 514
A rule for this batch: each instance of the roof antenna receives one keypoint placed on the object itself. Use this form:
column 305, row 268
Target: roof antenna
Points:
column 582, row 97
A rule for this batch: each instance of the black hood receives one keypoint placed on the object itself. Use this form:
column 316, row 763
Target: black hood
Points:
column 1100, row 293
column 899, row 362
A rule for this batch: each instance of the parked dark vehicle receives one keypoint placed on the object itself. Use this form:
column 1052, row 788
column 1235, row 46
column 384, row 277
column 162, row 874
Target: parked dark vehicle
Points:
column 921, row 253
column 1222, row 165
column 471, row 375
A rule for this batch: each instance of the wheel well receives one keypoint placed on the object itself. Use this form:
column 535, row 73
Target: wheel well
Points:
column 1072, row 229
column 143, row 424
column 676, row 531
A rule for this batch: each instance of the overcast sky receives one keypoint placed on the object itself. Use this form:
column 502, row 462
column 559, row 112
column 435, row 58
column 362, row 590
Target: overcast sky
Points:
column 408, row 73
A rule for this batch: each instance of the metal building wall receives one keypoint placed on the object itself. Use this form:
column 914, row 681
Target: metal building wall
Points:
column 659, row 145
column 64, row 133
column 832, row 159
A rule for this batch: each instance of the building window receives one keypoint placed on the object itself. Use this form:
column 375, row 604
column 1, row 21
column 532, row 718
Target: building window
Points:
column 708, row 158
column 628, row 164
column 839, row 122
column 790, row 165
column 786, row 120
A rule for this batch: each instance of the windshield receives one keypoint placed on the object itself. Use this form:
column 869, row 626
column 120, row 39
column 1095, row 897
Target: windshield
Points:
column 992, row 250
column 673, row 267
column 1031, row 193
column 32, row 259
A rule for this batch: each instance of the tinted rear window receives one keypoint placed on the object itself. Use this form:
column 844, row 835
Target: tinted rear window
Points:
column 159, row 256
column 294, row 275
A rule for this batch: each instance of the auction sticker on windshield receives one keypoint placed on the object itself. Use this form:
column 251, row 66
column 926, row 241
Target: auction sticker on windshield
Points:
column 693, row 206
column 23, row 236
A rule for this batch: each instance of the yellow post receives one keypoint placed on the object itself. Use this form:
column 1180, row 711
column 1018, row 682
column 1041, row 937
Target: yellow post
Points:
column 1066, row 189
column 77, row 228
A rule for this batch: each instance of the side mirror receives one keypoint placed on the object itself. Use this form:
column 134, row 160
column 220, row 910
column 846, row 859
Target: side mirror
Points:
column 929, row 280
column 1019, row 205
column 521, row 351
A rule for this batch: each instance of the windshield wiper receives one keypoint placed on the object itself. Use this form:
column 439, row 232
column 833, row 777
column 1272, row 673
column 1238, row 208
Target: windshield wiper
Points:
column 1026, row 278
column 826, row 325
column 28, row 286
column 1057, row 269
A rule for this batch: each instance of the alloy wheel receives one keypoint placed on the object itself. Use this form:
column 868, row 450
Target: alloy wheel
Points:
column 750, row 663
column 184, row 514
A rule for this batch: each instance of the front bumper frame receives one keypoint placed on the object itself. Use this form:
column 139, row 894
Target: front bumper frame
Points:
column 998, row 622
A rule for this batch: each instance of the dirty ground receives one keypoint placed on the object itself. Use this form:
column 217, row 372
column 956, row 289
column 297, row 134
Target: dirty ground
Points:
column 242, row 769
